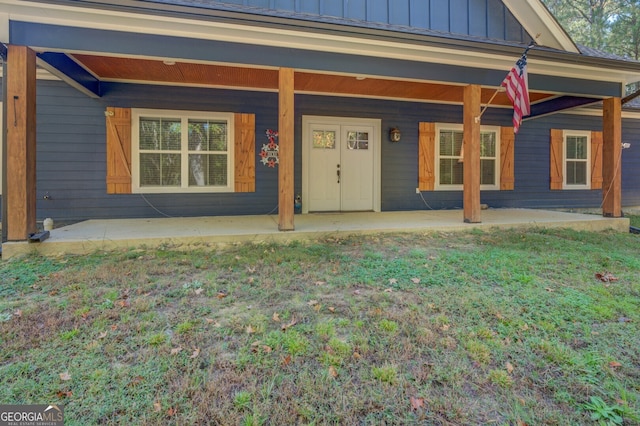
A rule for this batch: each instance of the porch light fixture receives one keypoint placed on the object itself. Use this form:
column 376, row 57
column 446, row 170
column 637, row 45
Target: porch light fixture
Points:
column 169, row 62
column 394, row 134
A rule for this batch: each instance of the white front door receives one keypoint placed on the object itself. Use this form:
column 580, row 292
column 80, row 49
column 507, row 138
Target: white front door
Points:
column 340, row 172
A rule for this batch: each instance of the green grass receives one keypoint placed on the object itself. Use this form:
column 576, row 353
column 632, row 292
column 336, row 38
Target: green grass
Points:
column 508, row 327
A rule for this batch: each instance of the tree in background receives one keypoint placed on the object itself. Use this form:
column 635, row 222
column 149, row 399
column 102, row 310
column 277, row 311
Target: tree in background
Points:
column 612, row 26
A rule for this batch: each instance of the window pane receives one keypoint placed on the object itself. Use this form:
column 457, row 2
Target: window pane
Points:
column 206, row 135
column 149, row 133
column 324, row 139
column 218, row 170
column 357, row 140
column 171, row 135
column 207, row 170
column 170, row 170
column 450, row 143
column 159, row 134
column 450, row 172
column 576, row 173
column 577, row 147
column 149, row 169
column 487, row 172
column 159, row 170
column 487, row 144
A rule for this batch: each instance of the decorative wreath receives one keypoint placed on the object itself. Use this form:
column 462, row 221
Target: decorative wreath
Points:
column 269, row 152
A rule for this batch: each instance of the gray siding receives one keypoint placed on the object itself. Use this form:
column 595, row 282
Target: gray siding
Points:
column 71, row 154
column 480, row 18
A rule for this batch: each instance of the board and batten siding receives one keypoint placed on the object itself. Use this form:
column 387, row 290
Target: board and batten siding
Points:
column 71, row 153
column 480, row 18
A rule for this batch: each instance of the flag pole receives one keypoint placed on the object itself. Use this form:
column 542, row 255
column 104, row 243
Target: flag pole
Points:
column 500, row 89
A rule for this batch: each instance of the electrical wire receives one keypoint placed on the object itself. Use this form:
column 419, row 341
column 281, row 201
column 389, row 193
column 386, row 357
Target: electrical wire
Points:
column 425, row 201
column 154, row 207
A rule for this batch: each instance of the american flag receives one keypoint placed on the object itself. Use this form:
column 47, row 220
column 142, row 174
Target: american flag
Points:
column 517, row 85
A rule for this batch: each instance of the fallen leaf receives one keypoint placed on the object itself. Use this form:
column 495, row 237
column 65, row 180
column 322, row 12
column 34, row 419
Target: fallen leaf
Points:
column 317, row 308
column 312, row 302
column 209, row 320
column 114, row 327
column 331, row 309
column 276, row 317
column 124, row 303
column 606, row 277
column 172, row 411
column 136, row 381
column 251, row 280
column 549, row 289
column 520, row 423
column 102, row 335
column 266, row 348
column 176, row 351
column 250, row 329
column 199, row 291
column 393, row 281
column 615, row 364
column 416, row 403
column 65, row 376
column 509, row 367
column 18, row 313
column 64, row 394
column 286, row 360
column 251, row 269
column 356, row 355
column 356, row 292
column 333, row 372
column 445, row 327
column 157, row 407
column 415, row 280
column 388, row 290
column 221, row 295
column 293, row 322
column 319, row 283
column 195, row 353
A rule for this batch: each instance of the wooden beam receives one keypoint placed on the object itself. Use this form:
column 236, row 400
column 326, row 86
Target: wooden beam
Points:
column 20, row 163
column 612, row 158
column 285, row 154
column 471, row 148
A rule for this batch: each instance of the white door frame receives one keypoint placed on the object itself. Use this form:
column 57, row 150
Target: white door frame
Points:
column 310, row 120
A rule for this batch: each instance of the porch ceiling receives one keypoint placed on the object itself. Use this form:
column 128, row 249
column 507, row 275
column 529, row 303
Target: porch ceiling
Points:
column 107, row 68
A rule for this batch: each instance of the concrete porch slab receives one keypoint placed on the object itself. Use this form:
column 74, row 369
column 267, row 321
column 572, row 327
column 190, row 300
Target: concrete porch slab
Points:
column 109, row 234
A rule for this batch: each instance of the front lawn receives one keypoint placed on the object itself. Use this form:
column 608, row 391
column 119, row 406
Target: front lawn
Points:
column 508, row 327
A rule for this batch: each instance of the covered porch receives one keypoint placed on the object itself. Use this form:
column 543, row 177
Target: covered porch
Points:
column 204, row 232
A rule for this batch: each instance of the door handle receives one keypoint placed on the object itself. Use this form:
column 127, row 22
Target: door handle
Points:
column 338, row 172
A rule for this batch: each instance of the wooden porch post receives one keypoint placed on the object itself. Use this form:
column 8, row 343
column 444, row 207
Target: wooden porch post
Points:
column 285, row 155
column 20, row 163
column 471, row 147
column 612, row 158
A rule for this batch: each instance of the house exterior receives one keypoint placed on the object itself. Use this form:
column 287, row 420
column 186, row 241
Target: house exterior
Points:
column 195, row 107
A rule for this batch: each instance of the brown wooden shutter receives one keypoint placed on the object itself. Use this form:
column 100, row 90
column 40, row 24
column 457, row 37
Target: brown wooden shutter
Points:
column 118, row 150
column 507, row 176
column 426, row 156
column 556, row 171
column 244, row 154
column 596, row 160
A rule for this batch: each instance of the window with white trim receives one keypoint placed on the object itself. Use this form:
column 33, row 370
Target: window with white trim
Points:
column 450, row 157
column 182, row 151
column 576, row 149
